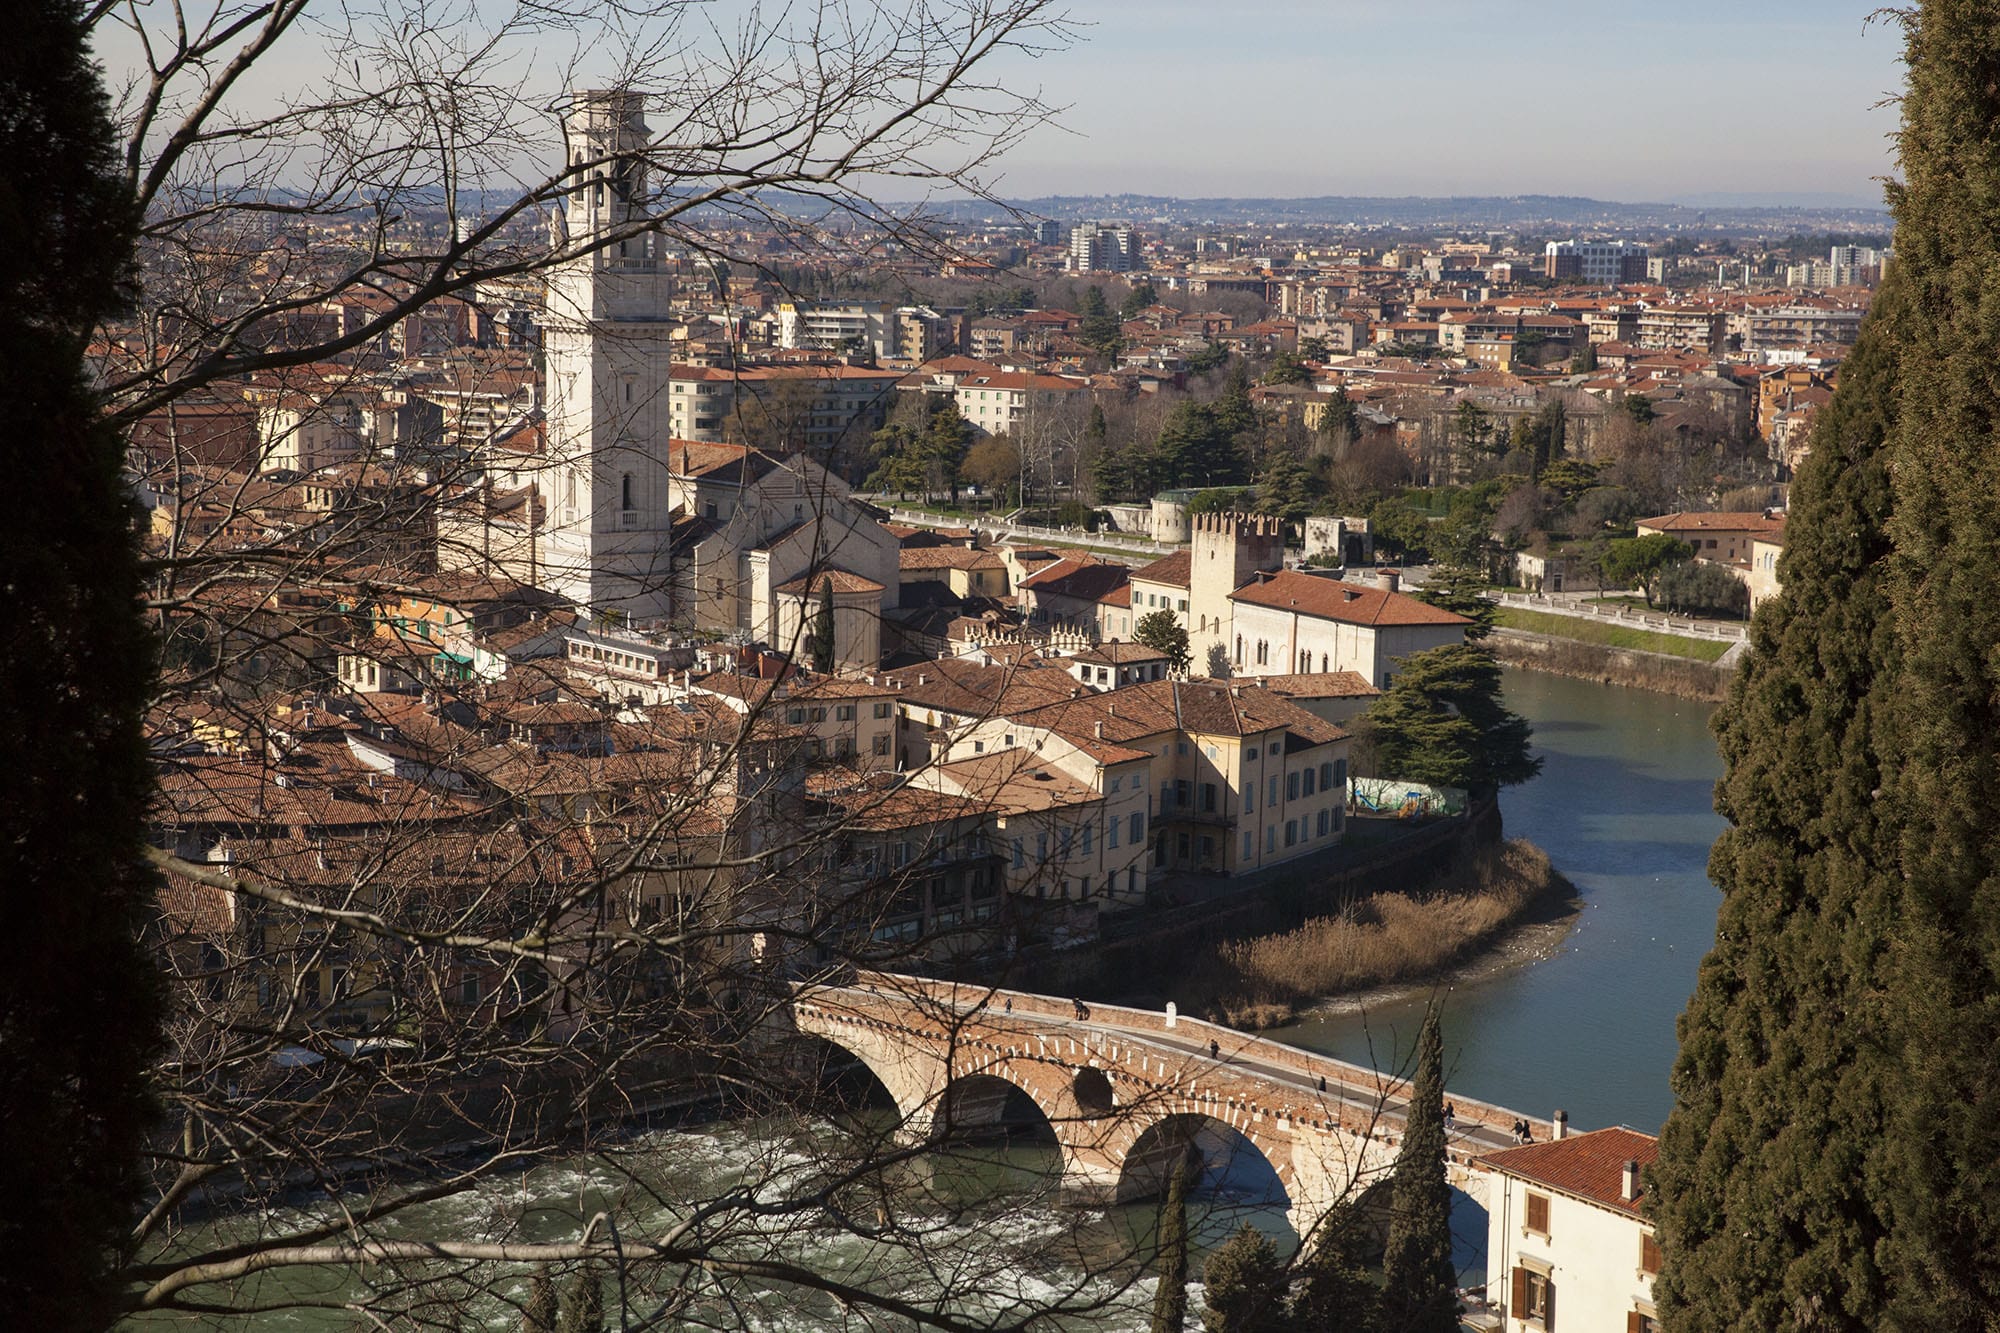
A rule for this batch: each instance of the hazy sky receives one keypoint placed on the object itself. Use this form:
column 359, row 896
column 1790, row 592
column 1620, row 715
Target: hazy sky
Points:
column 1614, row 100
column 1777, row 99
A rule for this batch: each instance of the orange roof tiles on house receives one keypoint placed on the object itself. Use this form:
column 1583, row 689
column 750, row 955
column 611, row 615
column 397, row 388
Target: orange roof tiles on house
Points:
column 1589, row 1166
column 1349, row 603
column 1719, row 521
column 1172, row 570
column 841, row 579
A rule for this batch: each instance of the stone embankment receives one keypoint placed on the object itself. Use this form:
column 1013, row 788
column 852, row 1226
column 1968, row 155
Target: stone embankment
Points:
column 1682, row 677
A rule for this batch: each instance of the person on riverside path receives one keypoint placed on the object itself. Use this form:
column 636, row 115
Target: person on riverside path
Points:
column 1214, row 1049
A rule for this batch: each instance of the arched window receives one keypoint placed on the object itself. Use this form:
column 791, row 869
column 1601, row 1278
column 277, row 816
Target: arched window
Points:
column 625, row 491
column 1239, row 650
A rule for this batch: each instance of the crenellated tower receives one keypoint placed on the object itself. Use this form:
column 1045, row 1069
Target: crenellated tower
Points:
column 1226, row 551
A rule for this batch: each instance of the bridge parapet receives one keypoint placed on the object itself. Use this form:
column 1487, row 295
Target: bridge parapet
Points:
column 997, row 1002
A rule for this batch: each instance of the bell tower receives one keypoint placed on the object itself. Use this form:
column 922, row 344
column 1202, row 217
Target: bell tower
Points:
column 606, row 355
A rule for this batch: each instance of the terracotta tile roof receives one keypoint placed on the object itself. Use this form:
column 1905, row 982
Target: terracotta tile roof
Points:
column 1320, row 685
column 1349, row 603
column 947, row 557
column 1084, row 578
column 1115, row 653
column 1755, row 522
column 1169, row 569
column 1139, row 711
column 842, row 580
column 1588, row 1166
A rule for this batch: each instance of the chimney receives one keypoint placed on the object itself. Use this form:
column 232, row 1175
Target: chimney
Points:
column 1099, row 728
column 1388, row 580
column 1630, row 1190
column 1561, row 1125
column 923, row 679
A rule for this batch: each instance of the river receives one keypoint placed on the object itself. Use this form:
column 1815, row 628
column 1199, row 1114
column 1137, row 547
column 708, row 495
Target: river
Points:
column 1623, row 808
column 1587, row 1025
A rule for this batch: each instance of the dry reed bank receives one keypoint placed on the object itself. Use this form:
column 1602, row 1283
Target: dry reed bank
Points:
column 1381, row 939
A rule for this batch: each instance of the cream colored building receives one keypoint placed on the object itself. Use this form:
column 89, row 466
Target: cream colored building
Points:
column 1231, row 777
column 1293, row 623
column 1565, row 1234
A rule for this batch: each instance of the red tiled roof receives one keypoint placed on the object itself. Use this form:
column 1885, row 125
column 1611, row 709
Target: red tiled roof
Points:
column 1588, row 1166
column 842, row 580
column 1169, row 569
column 1349, row 603
column 1713, row 522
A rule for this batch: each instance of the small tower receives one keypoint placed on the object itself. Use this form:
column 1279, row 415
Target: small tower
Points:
column 1226, row 551
column 607, row 351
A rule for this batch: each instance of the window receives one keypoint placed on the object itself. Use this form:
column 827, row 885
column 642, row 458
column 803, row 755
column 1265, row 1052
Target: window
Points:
column 1041, row 847
column 1208, row 796
column 1249, row 798
column 1086, row 838
column 1534, row 1297
column 1117, row 784
column 1291, row 832
column 1020, row 854
column 882, row 744
column 1538, row 1213
column 1270, row 837
column 844, row 713
column 795, row 716
column 1326, row 776
column 1640, row 1322
column 882, row 710
column 1292, row 786
column 1111, row 835
column 1340, row 771
column 1249, row 845
column 1649, row 1253
column 1273, row 798
column 1181, row 846
column 1306, row 782
column 1321, row 827
column 1138, row 829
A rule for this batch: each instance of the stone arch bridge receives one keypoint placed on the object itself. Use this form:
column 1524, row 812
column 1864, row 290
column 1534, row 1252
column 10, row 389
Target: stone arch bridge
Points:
column 1112, row 1081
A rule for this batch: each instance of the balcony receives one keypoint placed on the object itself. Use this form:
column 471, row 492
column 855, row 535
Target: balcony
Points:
column 1172, row 810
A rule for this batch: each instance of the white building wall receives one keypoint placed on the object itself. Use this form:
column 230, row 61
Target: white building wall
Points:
column 1591, row 1255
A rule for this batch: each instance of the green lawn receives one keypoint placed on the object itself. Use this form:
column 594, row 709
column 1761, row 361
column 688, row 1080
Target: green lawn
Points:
column 1615, row 636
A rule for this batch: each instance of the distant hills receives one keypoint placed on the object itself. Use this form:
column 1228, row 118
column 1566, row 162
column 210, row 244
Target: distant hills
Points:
column 1521, row 212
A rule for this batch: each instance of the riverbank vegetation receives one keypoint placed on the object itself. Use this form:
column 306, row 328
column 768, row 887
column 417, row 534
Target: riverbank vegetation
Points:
column 1612, row 635
column 1383, row 938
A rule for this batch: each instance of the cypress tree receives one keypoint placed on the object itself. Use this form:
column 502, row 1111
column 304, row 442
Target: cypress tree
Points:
column 1762, row 1192
column 1419, row 1284
column 820, row 643
column 583, row 1303
column 1170, row 1300
column 79, row 998
column 1336, row 1292
column 540, row 1312
column 1942, row 1178
column 1244, row 1285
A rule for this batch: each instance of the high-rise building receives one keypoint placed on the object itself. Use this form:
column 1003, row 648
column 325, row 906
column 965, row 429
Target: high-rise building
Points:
column 1098, row 247
column 607, row 355
column 1599, row 263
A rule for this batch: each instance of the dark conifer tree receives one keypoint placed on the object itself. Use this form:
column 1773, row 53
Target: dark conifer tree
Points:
column 1336, row 1291
column 1244, row 1285
column 1171, row 1299
column 79, row 1008
column 1941, row 1185
column 1419, row 1284
column 1762, row 1192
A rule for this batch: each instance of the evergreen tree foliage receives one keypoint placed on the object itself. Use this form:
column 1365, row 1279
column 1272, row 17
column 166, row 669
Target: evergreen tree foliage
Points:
column 1244, row 1285
column 1162, row 630
column 1099, row 328
column 820, row 643
column 540, row 1312
column 1170, row 1300
column 79, row 997
column 1441, row 722
column 1943, row 1250
column 1336, row 1290
column 583, row 1303
column 1337, row 420
column 1419, row 1285
column 1142, row 295
column 1764, row 1189
column 1287, row 489
column 1460, row 590
column 1198, row 447
column 1637, row 562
